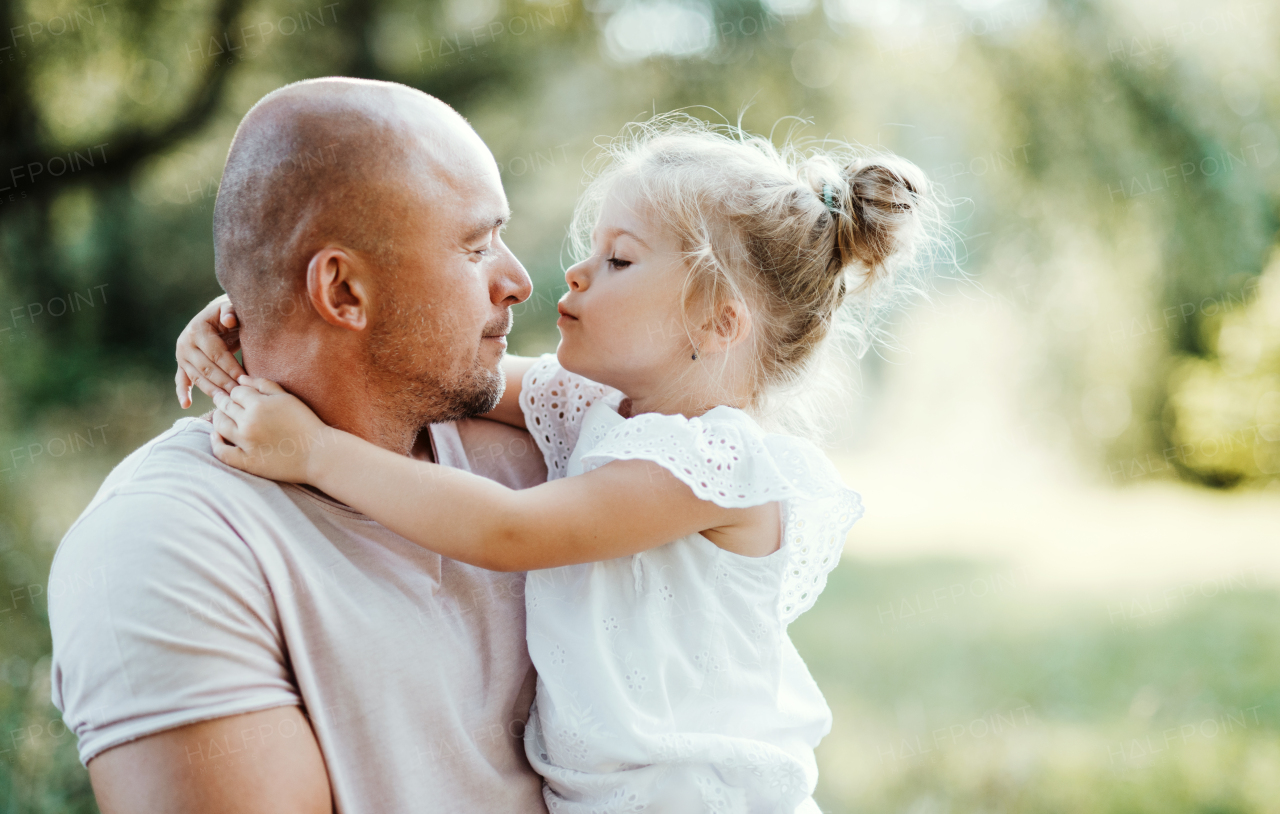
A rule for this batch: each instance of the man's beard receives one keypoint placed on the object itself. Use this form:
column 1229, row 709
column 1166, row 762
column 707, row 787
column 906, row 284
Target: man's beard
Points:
column 414, row 392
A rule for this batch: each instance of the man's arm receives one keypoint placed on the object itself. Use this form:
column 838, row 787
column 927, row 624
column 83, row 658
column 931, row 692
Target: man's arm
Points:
column 266, row 762
column 166, row 646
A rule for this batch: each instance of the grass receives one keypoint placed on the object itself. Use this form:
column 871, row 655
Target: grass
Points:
column 1021, row 702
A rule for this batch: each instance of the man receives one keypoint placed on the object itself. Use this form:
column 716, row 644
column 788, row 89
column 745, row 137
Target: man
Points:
column 225, row 643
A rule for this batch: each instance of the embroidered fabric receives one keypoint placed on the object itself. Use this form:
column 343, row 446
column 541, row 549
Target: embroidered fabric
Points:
column 666, row 679
column 554, row 402
column 723, row 456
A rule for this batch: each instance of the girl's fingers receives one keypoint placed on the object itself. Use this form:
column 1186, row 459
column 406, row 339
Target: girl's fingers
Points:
column 228, row 362
column 207, row 387
column 209, row 357
column 243, row 395
column 225, row 426
column 225, row 404
column 206, row 352
column 224, row 358
column 264, row 386
column 228, row 315
column 224, row 451
column 231, row 338
column 183, row 385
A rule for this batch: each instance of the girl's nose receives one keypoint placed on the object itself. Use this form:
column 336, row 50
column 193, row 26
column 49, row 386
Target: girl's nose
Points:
column 577, row 277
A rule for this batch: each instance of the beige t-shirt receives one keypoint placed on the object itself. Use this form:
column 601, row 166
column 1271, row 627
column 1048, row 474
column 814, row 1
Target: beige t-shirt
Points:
column 189, row 590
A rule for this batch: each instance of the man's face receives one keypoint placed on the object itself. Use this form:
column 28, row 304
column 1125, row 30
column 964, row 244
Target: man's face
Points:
column 438, row 334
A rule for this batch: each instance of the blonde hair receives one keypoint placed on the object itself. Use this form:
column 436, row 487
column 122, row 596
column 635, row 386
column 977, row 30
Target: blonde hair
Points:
column 819, row 240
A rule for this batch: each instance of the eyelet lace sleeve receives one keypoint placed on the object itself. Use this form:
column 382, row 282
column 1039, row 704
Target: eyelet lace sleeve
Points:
column 724, row 457
column 554, row 401
column 815, row 534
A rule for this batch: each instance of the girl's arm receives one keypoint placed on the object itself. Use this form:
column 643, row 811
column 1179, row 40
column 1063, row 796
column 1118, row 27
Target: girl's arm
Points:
column 618, row 509
column 206, row 358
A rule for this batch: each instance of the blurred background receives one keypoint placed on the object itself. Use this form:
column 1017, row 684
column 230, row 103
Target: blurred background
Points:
column 1063, row 594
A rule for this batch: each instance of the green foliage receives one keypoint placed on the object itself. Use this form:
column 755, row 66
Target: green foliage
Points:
column 1064, row 129
column 1225, row 409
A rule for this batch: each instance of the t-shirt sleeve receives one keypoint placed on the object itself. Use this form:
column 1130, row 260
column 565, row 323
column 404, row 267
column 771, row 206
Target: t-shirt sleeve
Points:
column 554, row 402
column 161, row 617
column 498, row 452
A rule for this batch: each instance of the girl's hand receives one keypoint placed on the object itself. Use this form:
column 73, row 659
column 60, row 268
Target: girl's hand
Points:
column 206, row 352
column 265, row 431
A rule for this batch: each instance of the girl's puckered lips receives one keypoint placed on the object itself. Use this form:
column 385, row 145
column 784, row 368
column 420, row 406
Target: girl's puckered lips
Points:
column 564, row 314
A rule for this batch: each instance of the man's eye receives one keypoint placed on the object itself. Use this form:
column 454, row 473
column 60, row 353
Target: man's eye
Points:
column 618, row 264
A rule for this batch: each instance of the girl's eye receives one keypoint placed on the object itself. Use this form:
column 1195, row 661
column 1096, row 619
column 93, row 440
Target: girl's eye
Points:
column 617, row 264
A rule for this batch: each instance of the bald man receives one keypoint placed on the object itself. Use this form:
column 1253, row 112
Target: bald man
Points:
column 223, row 643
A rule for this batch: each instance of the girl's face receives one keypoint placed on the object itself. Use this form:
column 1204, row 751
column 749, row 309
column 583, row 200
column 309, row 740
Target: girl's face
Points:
column 621, row 322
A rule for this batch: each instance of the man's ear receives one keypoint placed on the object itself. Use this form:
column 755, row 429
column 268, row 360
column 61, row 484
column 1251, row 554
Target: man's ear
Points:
column 337, row 290
column 729, row 326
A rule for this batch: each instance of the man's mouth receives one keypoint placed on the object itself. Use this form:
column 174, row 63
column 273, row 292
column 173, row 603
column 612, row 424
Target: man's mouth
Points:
column 498, row 331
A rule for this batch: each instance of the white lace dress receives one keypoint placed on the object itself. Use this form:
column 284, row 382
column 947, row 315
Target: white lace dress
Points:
column 666, row 680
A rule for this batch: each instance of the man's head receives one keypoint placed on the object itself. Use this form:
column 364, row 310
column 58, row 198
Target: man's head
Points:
column 356, row 231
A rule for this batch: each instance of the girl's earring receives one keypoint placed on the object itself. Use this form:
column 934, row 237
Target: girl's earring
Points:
column 695, row 354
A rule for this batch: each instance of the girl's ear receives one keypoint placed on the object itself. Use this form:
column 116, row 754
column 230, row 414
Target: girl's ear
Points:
column 729, row 326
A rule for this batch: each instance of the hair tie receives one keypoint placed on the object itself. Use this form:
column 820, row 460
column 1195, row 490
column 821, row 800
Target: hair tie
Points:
column 826, row 198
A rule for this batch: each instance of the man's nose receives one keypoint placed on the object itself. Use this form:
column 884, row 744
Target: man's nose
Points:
column 511, row 284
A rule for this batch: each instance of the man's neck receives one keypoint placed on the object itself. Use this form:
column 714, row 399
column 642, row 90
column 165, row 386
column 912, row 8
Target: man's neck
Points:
column 335, row 389
column 424, row 448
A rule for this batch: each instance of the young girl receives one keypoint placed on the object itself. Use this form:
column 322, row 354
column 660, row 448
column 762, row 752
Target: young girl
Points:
column 676, row 539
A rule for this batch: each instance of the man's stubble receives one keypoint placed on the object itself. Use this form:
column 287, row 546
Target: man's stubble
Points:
column 416, row 388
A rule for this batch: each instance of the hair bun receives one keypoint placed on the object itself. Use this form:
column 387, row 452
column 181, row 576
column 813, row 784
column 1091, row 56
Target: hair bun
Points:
column 877, row 217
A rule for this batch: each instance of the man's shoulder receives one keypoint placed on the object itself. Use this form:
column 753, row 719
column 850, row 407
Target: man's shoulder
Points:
column 178, row 462
column 500, row 452
column 187, row 440
column 174, row 476
column 169, row 515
